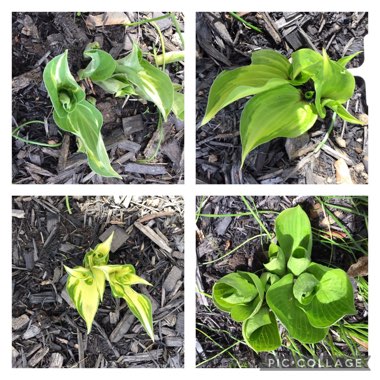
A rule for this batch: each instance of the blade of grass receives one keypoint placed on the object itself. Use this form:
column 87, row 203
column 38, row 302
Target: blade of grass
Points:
column 235, row 15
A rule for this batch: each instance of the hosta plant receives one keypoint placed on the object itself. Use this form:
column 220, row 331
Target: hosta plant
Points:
column 305, row 297
column 86, row 285
column 289, row 96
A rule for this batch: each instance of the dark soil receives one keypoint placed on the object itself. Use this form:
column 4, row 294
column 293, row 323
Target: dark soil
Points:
column 223, row 43
column 218, row 236
column 46, row 237
column 130, row 130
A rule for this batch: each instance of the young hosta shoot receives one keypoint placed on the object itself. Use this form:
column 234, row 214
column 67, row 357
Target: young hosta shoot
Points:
column 86, row 285
column 73, row 113
column 306, row 297
column 283, row 104
column 133, row 75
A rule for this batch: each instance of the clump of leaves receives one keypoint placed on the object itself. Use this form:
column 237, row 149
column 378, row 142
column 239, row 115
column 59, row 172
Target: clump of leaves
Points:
column 306, row 297
column 86, row 285
column 289, row 96
column 131, row 75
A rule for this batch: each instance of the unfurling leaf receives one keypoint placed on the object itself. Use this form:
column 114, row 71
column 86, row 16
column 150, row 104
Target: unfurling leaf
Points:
column 277, row 263
column 241, row 294
column 260, row 331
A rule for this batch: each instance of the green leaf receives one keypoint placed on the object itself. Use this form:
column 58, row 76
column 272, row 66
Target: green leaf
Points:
column 260, row 331
column 333, row 299
column 304, row 64
column 179, row 105
column 332, row 82
column 276, row 263
column 281, row 300
column 293, row 230
column 342, row 112
column 101, row 66
column 85, row 121
column 299, row 261
column 280, row 112
column 86, row 289
column 151, row 83
column 236, row 84
column 268, row 279
column 305, row 287
column 241, row 294
column 99, row 255
column 345, row 60
column 271, row 58
column 141, row 307
column 118, row 85
column 63, row 90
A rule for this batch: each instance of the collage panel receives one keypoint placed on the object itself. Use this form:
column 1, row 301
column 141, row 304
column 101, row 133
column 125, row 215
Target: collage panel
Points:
column 282, row 282
column 97, row 282
column 97, row 97
column 281, row 98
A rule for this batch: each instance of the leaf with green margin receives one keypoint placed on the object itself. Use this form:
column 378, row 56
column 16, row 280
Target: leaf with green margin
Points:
column 99, row 255
column 280, row 112
column 293, row 230
column 333, row 82
column 271, row 58
column 241, row 294
column 345, row 60
column 305, row 287
column 141, row 307
column 276, row 264
column 85, row 293
column 341, row 111
column 233, row 85
column 101, row 66
column 334, row 298
column 151, row 83
column 179, row 105
column 298, row 261
column 281, row 300
column 260, row 331
column 118, row 85
column 85, row 121
column 58, row 80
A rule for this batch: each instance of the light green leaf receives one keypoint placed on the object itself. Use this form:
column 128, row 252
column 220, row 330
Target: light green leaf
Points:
column 268, row 279
column 293, row 230
column 276, row 263
column 141, row 307
column 85, row 121
column 118, row 85
column 333, row 299
column 63, row 90
column 179, row 105
column 236, row 84
column 99, row 255
column 271, row 58
column 345, row 60
column 304, row 64
column 305, row 287
column 282, row 302
column 241, row 294
column 101, row 66
column 260, row 331
column 85, row 292
column 151, row 83
column 332, row 82
column 341, row 111
column 299, row 261
column 280, row 112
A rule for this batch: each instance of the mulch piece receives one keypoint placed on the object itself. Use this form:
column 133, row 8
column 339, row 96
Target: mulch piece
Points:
column 223, row 43
column 217, row 236
column 130, row 128
column 46, row 331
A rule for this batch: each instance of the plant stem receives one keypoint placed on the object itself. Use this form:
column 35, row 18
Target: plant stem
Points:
column 147, row 20
column 323, row 142
column 68, row 204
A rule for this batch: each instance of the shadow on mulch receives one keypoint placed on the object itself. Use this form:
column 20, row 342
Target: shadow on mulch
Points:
column 130, row 128
column 46, row 331
column 218, row 236
column 225, row 43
